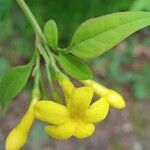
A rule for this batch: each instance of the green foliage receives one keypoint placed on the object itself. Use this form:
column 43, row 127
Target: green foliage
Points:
column 74, row 67
column 51, row 34
column 68, row 18
column 140, row 5
column 13, row 82
column 96, row 36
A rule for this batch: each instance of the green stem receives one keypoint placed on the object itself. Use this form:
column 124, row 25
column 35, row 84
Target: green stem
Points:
column 43, row 53
column 44, row 94
column 51, row 61
column 31, row 18
column 36, row 89
column 49, row 76
column 56, row 96
column 44, row 50
column 37, row 70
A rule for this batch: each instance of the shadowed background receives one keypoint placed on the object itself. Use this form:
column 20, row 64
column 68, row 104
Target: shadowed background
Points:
column 125, row 68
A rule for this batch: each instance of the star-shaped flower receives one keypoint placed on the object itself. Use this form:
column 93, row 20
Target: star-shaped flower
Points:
column 77, row 118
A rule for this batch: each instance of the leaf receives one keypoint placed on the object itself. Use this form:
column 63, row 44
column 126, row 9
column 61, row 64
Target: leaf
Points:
column 13, row 82
column 74, row 67
column 51, row 34
column 97, row 35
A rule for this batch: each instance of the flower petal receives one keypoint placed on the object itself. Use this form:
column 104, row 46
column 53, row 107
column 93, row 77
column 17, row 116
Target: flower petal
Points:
column 98, row 110
column 51, row 112
column 84, row 130
column 81, row 98
column 67, row 87
column 61, row 132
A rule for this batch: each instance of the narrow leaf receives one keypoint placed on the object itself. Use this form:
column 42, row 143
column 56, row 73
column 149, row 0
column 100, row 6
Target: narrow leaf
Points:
column 13, row 82
column 74, row 67
column 51, row 34
column 97, row 35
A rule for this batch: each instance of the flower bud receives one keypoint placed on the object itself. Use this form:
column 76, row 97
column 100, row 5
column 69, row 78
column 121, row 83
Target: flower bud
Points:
column 18, row 136
column 114, row 98
column 16, row 139
column 99, row 89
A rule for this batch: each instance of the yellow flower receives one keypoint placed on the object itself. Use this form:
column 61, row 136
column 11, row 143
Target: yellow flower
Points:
column 114, row 98
column 18, row 136
column 77, row 118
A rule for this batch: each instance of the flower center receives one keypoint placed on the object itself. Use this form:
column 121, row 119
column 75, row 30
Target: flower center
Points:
column 77, row 114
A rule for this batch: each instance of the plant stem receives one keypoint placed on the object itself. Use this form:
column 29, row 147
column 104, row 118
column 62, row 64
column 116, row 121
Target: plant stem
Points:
column 37, row 70
column 35, row 25
column 49, row 78
column 36, row 89
column 44, row 94
column 31, row 18
column 42, row 47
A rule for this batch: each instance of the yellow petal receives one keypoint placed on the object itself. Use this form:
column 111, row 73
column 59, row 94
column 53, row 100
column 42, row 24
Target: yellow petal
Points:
column 51, row 112
column 84, row 130
column 98, row 110
column 115, row 99
column 18, row 136
column 61, row 132
column 67, row 87
column 81, row 98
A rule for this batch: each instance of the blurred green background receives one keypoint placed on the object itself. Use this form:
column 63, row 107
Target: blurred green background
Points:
column 125, row 68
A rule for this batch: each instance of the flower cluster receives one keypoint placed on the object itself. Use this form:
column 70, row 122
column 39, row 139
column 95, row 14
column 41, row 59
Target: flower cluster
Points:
column 76, row 118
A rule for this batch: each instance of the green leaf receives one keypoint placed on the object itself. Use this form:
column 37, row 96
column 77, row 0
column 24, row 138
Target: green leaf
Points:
column 13, row 82
column 74, row 67
column 51, row 34
column 97, row 35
